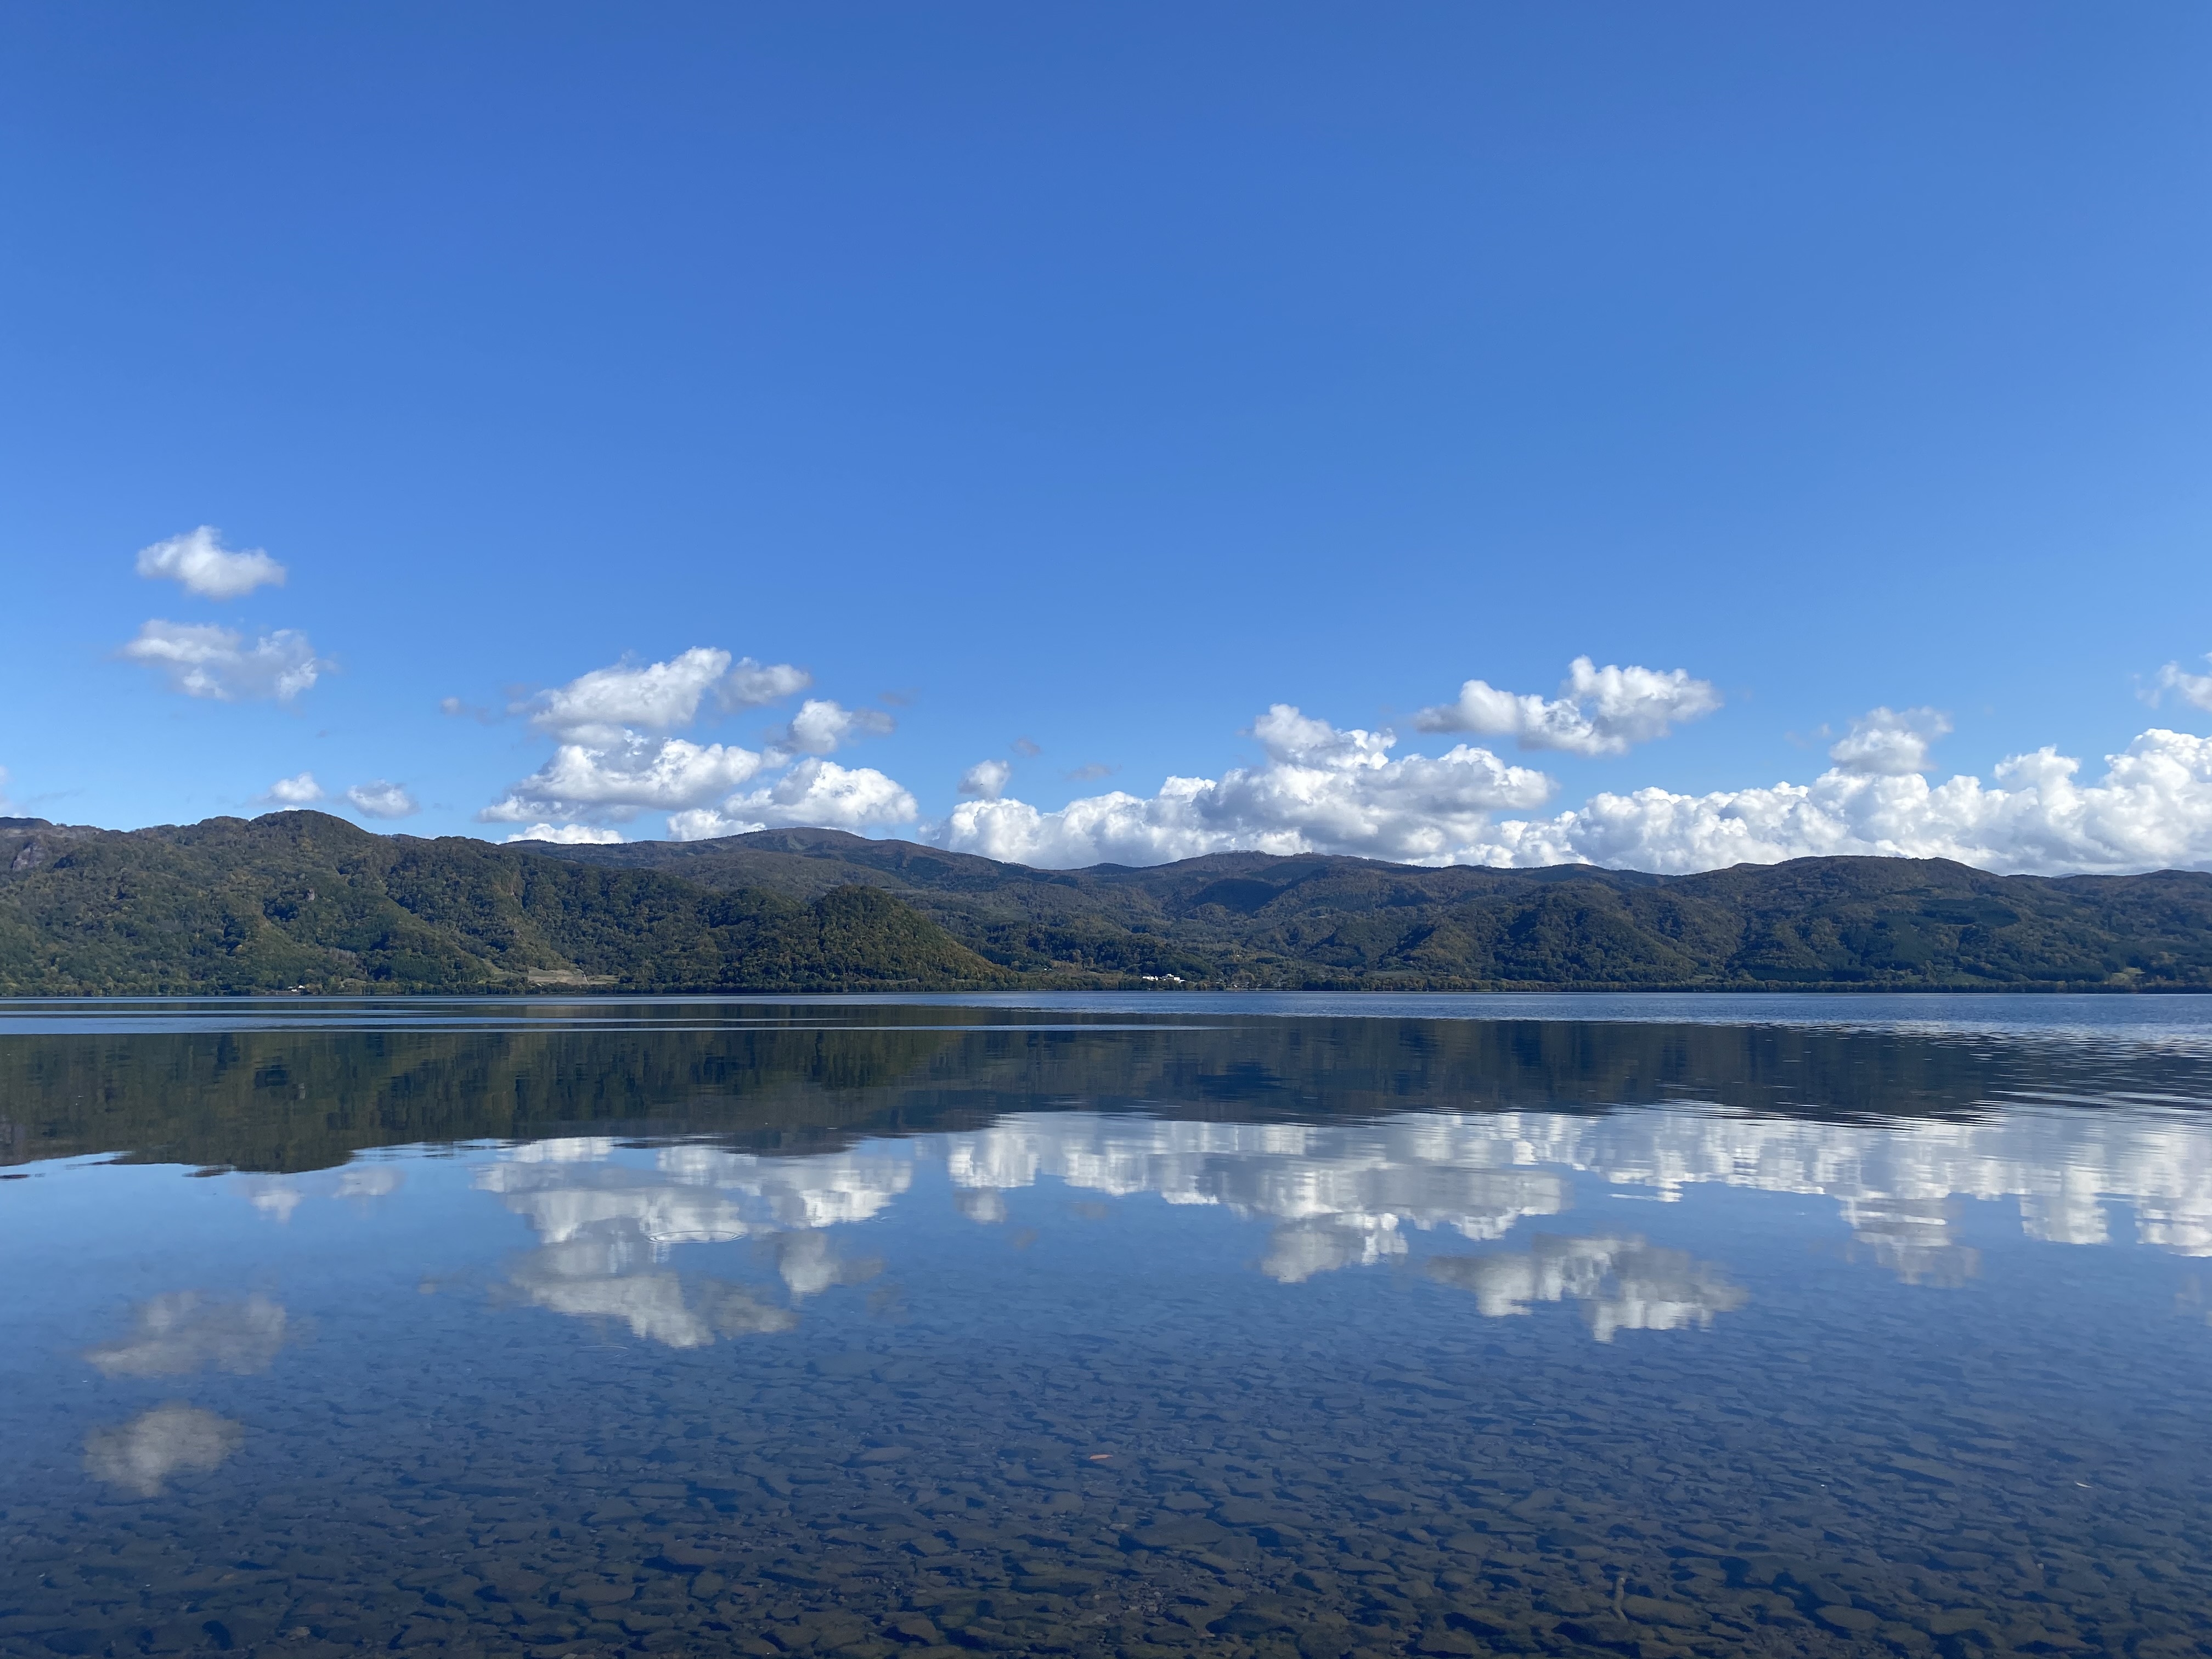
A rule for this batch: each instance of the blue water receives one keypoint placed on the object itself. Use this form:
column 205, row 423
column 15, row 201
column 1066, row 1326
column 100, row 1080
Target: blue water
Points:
column 1107, row 1325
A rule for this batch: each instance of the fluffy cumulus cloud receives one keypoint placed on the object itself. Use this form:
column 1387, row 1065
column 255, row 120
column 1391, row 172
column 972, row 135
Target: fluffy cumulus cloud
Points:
column 379, row 798
column 1884, row 744
column 199, row 560
column 815, row 794
column 203, row 661
column 615, row 756
column 2193, row 689
column 610, row 703
column 619, row 779
column 1599, row 711
column 1318, row 789
column 1322, row 789
column 2151, row 809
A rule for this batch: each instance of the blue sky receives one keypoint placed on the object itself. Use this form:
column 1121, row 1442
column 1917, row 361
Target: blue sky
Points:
column 1090, row 381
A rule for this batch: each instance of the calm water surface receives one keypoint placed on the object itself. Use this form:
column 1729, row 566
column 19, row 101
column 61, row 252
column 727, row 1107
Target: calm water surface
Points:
column 1107, row 1326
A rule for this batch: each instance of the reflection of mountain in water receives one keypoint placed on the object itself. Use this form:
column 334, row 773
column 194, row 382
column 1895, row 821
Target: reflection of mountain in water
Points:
column 781, row 1078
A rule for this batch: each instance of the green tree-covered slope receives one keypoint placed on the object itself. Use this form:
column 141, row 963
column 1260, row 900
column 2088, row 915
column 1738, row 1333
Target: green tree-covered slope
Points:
column 1313, row 922
column 305, row 900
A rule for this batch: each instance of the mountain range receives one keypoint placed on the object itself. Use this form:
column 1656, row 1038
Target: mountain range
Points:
column 303, row 900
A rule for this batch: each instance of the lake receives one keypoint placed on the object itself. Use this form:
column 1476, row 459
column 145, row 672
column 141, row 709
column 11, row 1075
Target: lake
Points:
column 1107, row 1325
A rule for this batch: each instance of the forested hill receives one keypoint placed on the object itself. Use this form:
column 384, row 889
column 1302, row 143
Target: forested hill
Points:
column 1321, row 922
column 302, row 900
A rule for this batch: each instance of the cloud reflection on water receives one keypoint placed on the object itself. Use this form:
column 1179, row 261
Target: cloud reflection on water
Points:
column 186, row 1331
column 1346, row 1195
column 605, row 1230
column 1343, row 1195
column 142, row 1454
column 1622, row 1284
column 279, row 1197
column 597, row 1277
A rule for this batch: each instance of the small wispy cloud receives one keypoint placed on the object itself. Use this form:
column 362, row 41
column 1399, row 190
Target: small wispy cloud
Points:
column 379, row 798
column 2195, row 689
column 199, row 560
column 201, row 659
column 299, row 790
column 987, row 780
column 751, row 684
column 821, row 726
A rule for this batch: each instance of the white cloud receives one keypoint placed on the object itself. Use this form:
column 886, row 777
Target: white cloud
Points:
column 706, row 823
column 615, row 759
column 1599, row 711
column 751, row 684
column 1319, row 790
column 203, row 661
column 1886, row 744
column 1324, row 790
column 599, row 708
column 2194, row 689
column 379, row 798
column 199, row 560
column 820, row 726
column 569, row 835
column 660, row 697
column 6, row 804
column 620, row 779
column 2151, row 809
column 815, row 794
column 988, row 779
column 300, row 791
